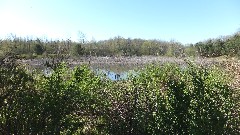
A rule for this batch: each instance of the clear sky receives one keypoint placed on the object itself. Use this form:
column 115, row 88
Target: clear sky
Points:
column 186, row 21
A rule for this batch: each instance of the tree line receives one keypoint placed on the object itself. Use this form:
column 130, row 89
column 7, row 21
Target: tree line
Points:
column 228, row 45
column 119, row 46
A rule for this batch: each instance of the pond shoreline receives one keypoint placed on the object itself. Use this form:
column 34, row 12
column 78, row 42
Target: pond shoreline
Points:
column 134, row 60
column 122, row 64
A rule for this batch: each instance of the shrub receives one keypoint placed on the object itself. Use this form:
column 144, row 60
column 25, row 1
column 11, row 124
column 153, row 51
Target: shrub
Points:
column 39, row 49
column 168, row 99
column 174, row 100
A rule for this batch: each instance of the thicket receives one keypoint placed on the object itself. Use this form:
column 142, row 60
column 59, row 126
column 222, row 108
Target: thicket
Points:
column 166, row 99
column 118, row 46
column 228, row 46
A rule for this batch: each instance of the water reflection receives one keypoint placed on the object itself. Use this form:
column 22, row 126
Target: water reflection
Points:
column 101, row 72
column 116, row 71
column 112, row 72
column 112, row 75
column 47, row 71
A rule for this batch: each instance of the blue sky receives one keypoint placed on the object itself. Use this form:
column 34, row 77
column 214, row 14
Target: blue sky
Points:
column 186, row 21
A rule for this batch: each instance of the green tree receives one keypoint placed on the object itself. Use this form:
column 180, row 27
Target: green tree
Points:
column 39, row 49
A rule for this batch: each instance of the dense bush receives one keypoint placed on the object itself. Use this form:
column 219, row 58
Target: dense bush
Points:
column 59, row 103
column 174, row 100
column 167, row 99
column 228, row 46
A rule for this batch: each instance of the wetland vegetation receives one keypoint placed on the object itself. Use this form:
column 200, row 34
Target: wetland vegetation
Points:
column 178, row 89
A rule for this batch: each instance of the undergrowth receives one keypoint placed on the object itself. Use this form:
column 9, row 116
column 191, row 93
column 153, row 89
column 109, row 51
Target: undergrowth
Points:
column 165, row 99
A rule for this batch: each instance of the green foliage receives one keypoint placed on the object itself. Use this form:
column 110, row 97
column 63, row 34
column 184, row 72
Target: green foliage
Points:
column 38, row 49
column 228, row 46
column 172, row 100
column 117, row 46
column 191, row 50
column 166, row 99
column 59, row 103
column 77, row 50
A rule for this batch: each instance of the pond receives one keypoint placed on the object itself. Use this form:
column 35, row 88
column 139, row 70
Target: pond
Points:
column 110, row 74
column 114, row 68
column 115, row 71
column 114, row 76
